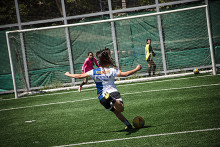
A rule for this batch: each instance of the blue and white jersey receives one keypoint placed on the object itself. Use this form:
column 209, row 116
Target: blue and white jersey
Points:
column 105, row 80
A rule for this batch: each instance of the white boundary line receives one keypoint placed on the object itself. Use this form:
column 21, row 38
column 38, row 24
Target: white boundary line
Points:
column 173, row 89
column 158, row 90
column 46, row 104
column 138, row 137
column 93, row 85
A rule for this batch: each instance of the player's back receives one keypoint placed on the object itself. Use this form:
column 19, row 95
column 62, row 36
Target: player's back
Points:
column 104, row 79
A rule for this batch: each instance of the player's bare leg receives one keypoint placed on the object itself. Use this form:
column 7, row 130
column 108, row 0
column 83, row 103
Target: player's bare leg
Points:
column 118, row 106
column 85, row 80
column 121, row 117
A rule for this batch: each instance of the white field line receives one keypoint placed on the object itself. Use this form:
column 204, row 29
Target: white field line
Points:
column 173, row 89
column 47, row 104
column 138, row 137
column 158, row 90
column 117, row 86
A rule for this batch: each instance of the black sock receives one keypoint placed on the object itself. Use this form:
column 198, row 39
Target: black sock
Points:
column 82, row 84
column 149, row 72
column 154, row 67
column 127, row 123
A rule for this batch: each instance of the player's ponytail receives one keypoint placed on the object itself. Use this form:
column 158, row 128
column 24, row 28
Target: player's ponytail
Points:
column 104, row 58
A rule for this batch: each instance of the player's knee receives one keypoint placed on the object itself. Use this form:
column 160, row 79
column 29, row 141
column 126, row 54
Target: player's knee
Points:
column 122, row 109
column 119, row 109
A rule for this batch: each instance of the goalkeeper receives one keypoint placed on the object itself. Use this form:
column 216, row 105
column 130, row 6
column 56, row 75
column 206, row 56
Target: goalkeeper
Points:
column 149, row 57
column 104, row 77
column 87, row 66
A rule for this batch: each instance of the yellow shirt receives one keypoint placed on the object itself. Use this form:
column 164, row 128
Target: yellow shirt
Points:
column 148, row 51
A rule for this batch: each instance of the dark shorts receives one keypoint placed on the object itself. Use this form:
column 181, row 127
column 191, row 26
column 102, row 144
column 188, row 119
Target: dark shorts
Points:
column 107, row 104
column 149, row 59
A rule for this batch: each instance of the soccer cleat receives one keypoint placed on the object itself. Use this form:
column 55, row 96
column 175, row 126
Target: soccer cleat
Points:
column 128, row 127
column 79, row 89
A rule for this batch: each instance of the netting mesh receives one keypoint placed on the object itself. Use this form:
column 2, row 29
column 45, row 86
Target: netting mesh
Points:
column 184, row 34
column 89, row 38
column 17, row 58
column 131, row 41
column 5, row 76
column 215, row 26
column 186, row 39
column 47, row 56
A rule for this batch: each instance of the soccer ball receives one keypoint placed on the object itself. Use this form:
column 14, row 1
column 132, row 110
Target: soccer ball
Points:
column 138, row 122
column 196, row 71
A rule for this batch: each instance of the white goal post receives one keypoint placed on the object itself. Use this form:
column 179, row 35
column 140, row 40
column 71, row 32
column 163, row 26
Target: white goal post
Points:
column 112, row 20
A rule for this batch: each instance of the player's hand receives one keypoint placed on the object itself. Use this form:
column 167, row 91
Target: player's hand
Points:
column 138, row 67
column 67, row 73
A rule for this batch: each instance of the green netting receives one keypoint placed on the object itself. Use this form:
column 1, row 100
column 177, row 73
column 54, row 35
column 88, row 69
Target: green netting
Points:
column 181, row 31
column 46, row 77
column 131, row 40
column 188, row 58
column 185, row 39
column 90, row 38
column 5, row 70
column 217, row 54
column 214, row 9
column 47, row 56
column 17, row 58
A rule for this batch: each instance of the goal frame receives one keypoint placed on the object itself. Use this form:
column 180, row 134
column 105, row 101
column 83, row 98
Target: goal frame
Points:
column 113, row 20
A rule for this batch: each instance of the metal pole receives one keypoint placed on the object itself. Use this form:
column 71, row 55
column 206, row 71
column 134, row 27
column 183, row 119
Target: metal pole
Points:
column 100, row 3
column 161, row 39
column 12, row 67
column 113, row 33
column 23, row 48
column 210, row 41
column 68, row 41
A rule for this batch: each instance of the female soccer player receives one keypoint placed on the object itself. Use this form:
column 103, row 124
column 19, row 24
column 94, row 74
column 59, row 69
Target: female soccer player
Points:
column 104, row 78
column 87, row 66
column 149, row 57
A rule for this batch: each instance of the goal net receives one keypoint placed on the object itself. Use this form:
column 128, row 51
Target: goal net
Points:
column 45, row 56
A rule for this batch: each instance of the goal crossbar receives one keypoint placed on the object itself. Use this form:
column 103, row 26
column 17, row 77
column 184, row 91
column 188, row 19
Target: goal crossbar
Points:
column 109, row 20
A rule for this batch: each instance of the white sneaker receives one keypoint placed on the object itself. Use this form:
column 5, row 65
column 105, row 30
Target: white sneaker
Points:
column 79, row 89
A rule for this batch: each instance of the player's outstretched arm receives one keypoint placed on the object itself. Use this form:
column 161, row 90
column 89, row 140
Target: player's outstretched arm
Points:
column 128, row 73
column 77, row 76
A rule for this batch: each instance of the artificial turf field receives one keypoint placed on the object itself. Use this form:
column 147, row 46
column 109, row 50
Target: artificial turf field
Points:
column 182, row 111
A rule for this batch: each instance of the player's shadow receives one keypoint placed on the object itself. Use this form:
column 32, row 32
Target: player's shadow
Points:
column 130, row 131
column 135, row 130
